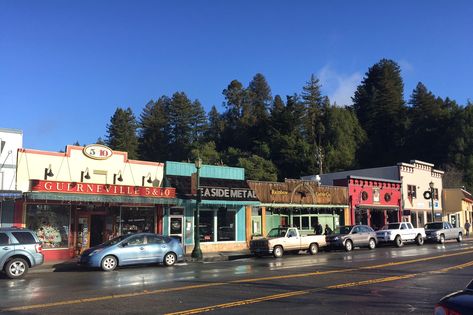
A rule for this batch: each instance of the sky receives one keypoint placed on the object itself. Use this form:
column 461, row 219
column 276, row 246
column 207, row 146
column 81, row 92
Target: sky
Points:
column 66, row 66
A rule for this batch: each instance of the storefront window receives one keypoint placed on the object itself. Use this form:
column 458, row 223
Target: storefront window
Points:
column 226, row 225
column 51, row 223
column 137, row 220
column 206, row 226
column 305, row 223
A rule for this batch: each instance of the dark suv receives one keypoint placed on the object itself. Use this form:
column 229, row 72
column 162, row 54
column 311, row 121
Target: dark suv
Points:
column 20, row 249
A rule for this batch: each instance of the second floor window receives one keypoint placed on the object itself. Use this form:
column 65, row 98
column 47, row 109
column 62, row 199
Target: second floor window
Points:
column 411, row 191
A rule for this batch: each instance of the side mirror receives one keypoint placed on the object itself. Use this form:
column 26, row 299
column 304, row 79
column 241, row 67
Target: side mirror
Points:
column 124, row 244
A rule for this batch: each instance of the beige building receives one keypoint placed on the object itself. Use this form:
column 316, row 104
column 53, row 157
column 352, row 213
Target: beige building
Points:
column 457, row 206
column 417, row 177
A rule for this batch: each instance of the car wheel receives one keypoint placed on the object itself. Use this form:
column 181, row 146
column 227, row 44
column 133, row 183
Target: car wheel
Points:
column 398, row 241
column 372, row 244
column 278, row 252
column 169, row 259
column 442, row 239
column 16, row 268
column 348, row 245
column 313, row 248
column 419, row 240
column 109, row 263
column 459, row 238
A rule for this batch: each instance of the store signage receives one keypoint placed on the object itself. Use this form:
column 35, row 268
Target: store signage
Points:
column 227, row 192
column 97, row 152
column 101, row 189
column 278, row 192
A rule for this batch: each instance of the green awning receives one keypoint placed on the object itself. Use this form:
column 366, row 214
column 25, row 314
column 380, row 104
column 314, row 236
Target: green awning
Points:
column 33, row 196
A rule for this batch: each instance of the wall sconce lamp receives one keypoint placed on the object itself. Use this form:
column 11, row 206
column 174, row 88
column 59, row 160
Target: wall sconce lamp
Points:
column 149, row 180
column 84, row 174
column 48, row 172
column 118, row 177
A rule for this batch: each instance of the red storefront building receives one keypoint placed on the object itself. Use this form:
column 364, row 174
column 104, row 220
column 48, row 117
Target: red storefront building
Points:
column 373, row 201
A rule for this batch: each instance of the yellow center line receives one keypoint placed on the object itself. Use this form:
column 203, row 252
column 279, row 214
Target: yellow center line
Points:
column 331, row 287
column 206, row 285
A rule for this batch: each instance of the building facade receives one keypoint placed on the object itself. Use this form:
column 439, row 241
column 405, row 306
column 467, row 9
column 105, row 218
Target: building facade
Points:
column 298, row 203
column 87, row 195
column 10, row 141
column 415, row 178
column 225, row 196
column 457, row 206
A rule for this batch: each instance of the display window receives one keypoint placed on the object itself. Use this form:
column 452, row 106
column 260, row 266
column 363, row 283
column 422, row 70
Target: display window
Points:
column 51, row 223
column 217, row 225
column 137, row 220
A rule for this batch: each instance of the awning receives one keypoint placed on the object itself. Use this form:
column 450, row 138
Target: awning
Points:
column 378, row 207
column 296, row 205
column 33, row 196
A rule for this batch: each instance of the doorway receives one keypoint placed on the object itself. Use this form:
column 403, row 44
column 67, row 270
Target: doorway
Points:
column 377, row 219
column 97, row 228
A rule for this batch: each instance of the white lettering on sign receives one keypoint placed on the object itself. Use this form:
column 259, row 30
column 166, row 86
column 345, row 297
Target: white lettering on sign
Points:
column 235, row 193
column 97, row 152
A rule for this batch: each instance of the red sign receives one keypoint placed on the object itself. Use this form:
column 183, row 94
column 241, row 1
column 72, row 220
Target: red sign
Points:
column 101, row 189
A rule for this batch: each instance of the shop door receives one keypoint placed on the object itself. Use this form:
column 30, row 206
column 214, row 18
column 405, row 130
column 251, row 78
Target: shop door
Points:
column 97, row 227
column 176, row 227
column 83, row 233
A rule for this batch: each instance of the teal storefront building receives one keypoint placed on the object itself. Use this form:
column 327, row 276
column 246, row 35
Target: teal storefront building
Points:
column 226, row 199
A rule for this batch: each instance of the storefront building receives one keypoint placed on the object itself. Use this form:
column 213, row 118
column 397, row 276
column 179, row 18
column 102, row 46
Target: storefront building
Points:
column 298, row 203
column 225, row 198
column 88, row 195
column 373, row 201
column 10, row 141
column 457, row 206
column 415, row 178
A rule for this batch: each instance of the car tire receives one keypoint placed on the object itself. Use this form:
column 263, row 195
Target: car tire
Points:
column 419, row 240
column 313, row 249
column 169, row 259
column 441, row 239
column 371, row 243
column 348, row 246
column 109, row 263
column 278, row 251
column 459, row 238
column 398, row 241
column 16, row 268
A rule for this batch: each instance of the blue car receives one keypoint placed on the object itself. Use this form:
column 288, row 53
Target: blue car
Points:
column 141, row 248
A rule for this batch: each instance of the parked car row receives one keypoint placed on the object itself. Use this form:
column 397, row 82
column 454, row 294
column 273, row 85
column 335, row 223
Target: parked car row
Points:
column 284, row 239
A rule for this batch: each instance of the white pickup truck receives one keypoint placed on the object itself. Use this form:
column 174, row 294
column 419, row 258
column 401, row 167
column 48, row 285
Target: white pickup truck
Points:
column 400, row 232
column 286, row 239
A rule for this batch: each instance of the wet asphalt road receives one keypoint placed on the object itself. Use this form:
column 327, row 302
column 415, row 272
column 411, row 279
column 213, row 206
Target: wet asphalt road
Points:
column 387, row 280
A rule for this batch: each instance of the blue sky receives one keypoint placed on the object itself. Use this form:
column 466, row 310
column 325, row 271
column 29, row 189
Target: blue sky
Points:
column 65, row 66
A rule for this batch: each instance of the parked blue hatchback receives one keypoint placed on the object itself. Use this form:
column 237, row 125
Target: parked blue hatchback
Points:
column 133, row 249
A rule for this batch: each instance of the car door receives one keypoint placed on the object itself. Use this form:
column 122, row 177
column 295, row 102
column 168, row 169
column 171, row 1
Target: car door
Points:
column 292, row 240
column 364, row 235
column 6, row 248
column 133, row 251
column 357, row 236
column 449, row 231
column 156, row 247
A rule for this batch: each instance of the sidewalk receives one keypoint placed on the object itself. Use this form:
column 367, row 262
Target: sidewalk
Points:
column 71, row 265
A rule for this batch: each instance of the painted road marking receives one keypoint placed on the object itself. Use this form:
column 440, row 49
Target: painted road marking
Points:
column 331, row 287
column 214, row 284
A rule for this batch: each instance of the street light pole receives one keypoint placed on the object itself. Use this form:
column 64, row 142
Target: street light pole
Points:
column 432, row 190
column 197, row 252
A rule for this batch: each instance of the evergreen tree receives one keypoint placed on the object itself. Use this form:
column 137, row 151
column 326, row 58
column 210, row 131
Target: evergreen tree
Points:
column 381, row 111
column 154, row 131
column 257, row 168
column 216, row 126
column 121, row 132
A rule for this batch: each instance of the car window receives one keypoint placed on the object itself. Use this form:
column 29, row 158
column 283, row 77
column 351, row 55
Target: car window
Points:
column 356, row 229
column 449, row 225
column 155, row 239
column 24, row 237
column 291, row 233
column 4, row 239
column 403, row 226
column 366, row 229
column 136, row 240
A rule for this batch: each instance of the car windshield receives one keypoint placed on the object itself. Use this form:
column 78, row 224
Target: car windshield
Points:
column 470, row 286
column 391, row 226
column 277, row 232
column 115, row 240
column 343, row 230
column 434, row 226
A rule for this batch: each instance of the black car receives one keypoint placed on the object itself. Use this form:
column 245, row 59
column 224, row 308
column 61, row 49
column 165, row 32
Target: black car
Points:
column 456, row 303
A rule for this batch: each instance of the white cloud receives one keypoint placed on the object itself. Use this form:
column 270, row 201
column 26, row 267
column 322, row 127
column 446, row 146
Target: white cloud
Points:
column 339, row 86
